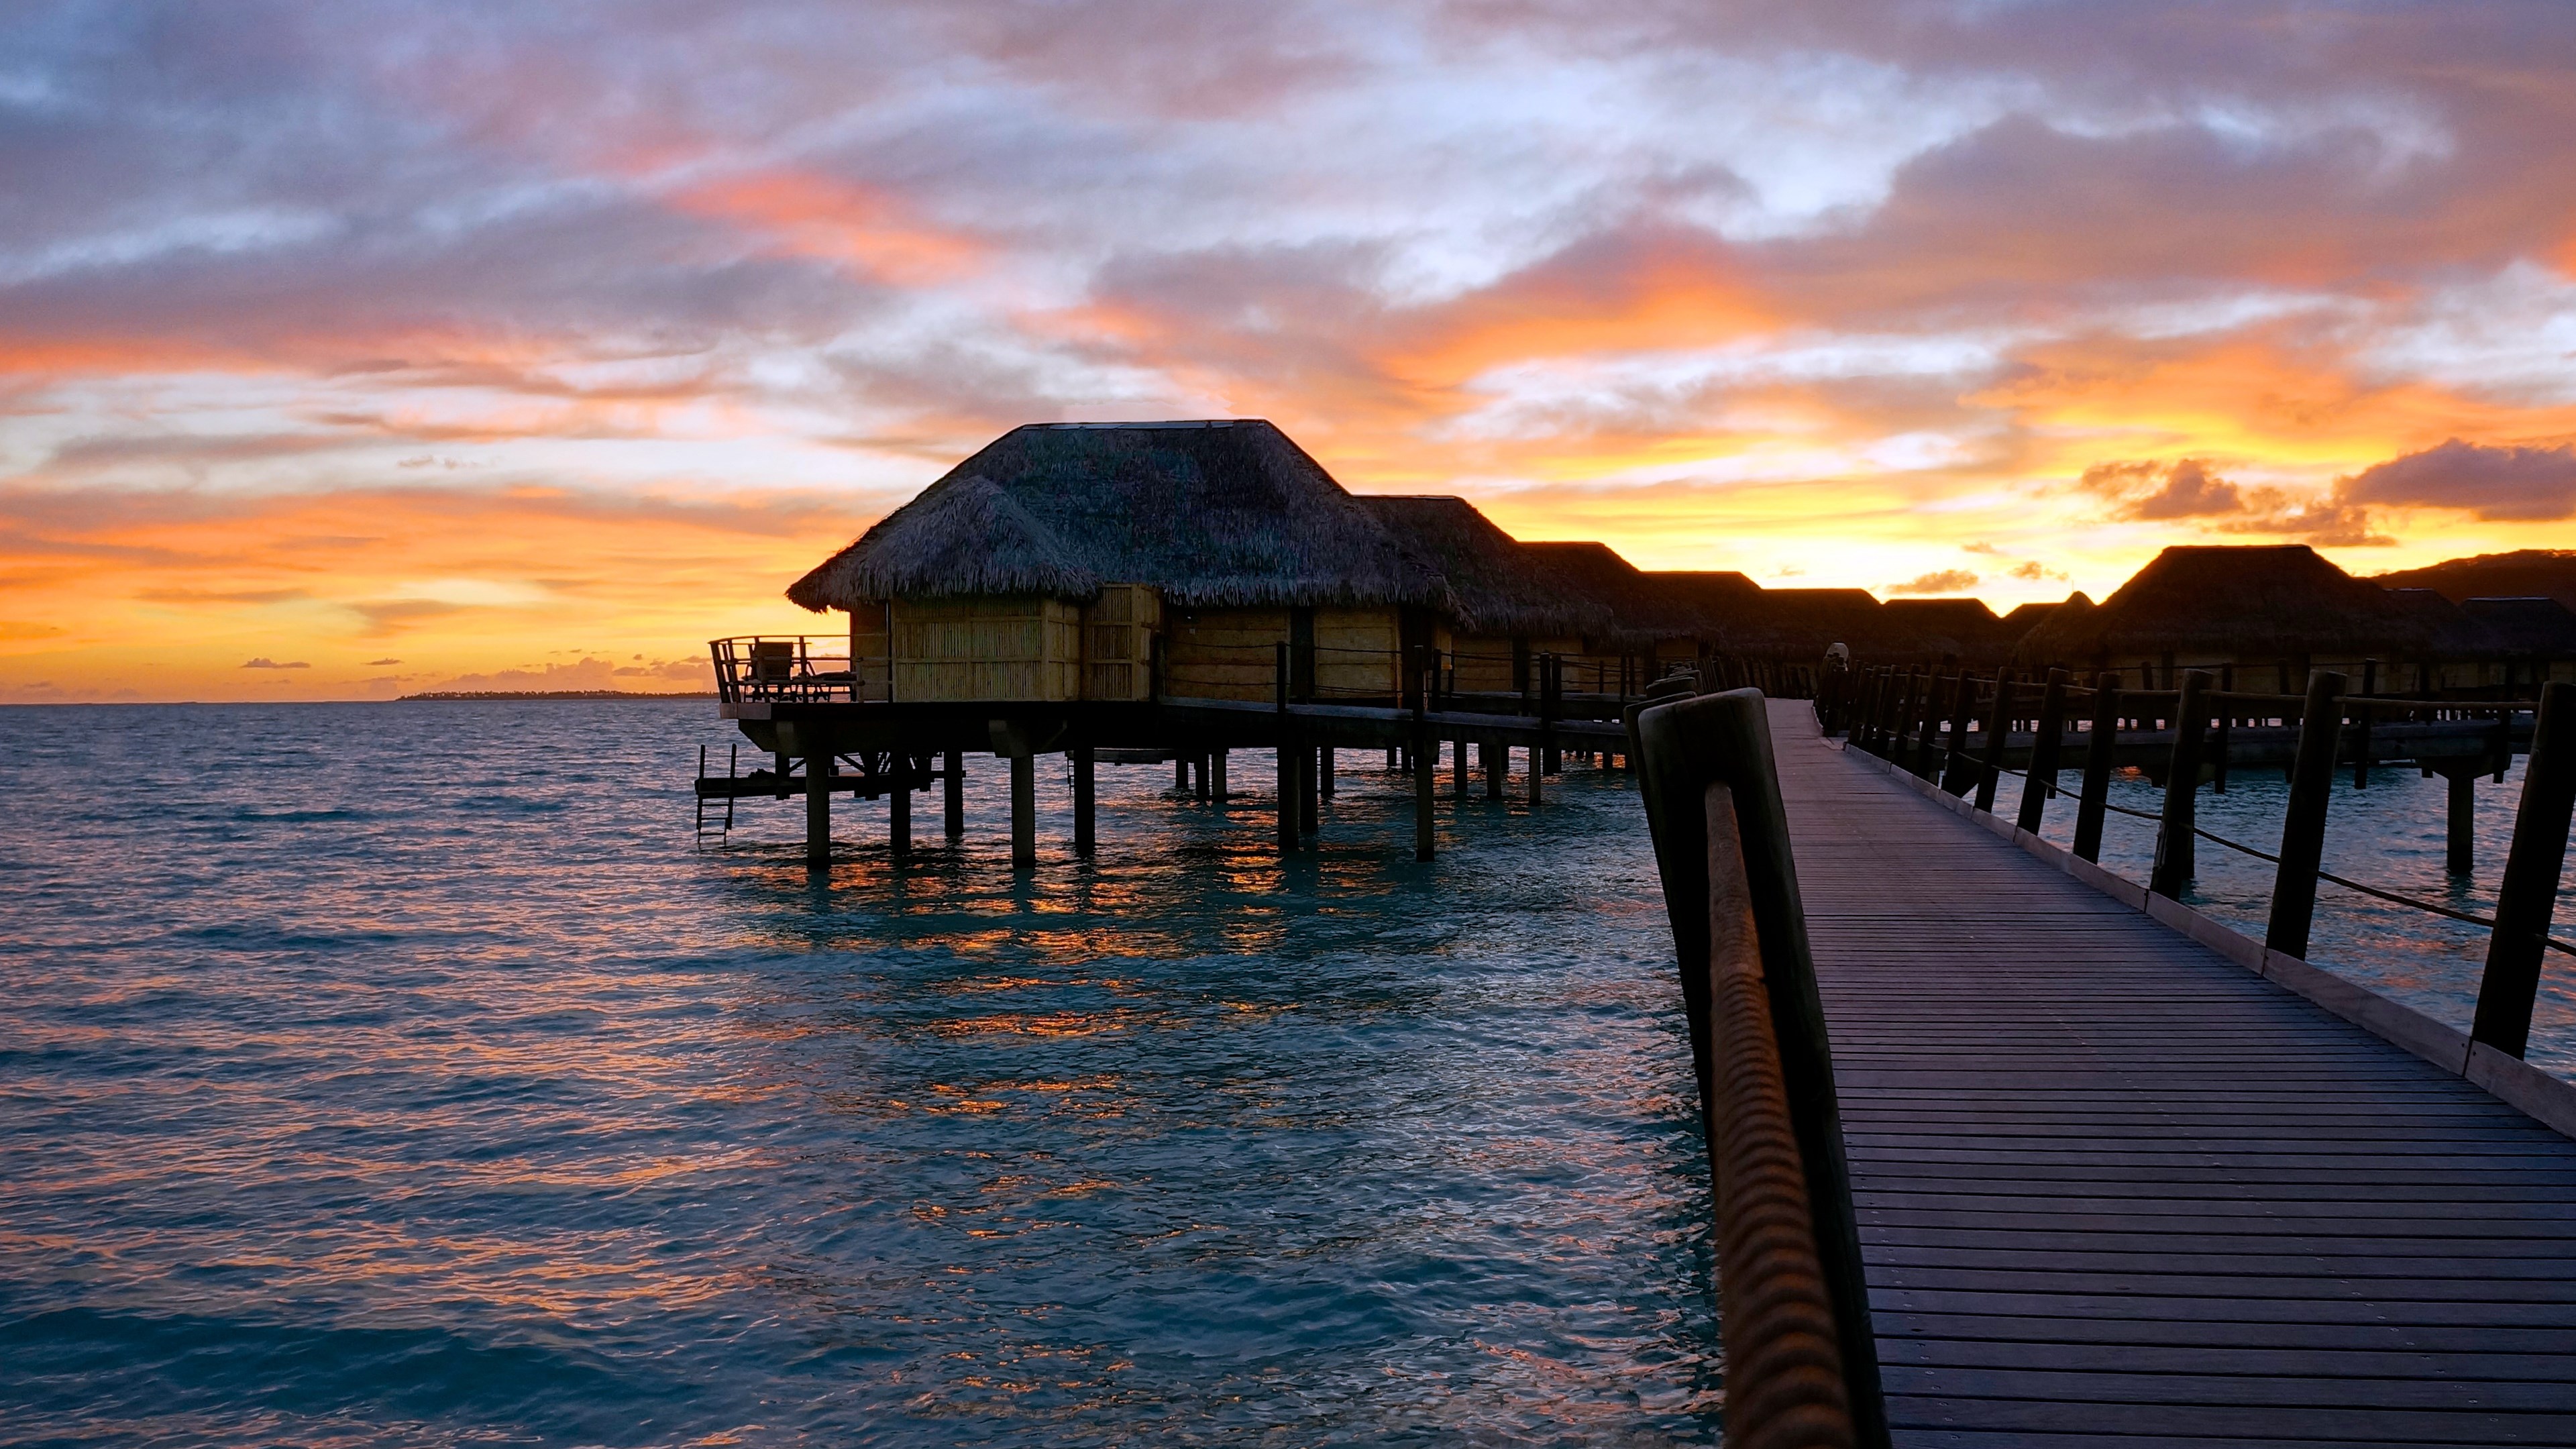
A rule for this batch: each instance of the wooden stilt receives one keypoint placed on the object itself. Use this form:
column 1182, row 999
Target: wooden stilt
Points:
column 1180, row 774
column 899, row 808
column 955, row 791
column 1216, row 775
column 1498, row 766
column 1537, row 774
column 818, row 809
column 1205, row 791
column 1287, row 796
column 1024, row 811
column 1082, row 798
column 1324, row 771
column 2461, row 857
column 1458, row 767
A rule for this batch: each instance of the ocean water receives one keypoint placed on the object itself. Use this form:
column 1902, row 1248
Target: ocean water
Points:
column 404, row 1074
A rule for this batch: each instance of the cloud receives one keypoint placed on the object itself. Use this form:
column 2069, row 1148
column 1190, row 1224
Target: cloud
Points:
column 2035, row 571
column 2520, row 483
column 2150, row 490
column 1942, row 581
column 381, row 663
column 264, row 662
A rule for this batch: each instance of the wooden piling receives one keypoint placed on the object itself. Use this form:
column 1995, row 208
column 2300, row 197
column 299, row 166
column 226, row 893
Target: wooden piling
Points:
column 2045, row 747
column 1216, row 775
column 899, row 808
column 1083, row 780
column 2226, row 717
column 1536, row 790
column 1990, row 770
column 2460, row 853
column 1498, row 767
column 2177, row 859
column 1458, row 767
column 818, row 808
column 2529, row 894
column 1024, row 810
column 954, row 783
column 2097, row 766
column 1927, row 732
column 1426, row 764
column 2303, row 822
column 2361, row 721
column 1324, row 762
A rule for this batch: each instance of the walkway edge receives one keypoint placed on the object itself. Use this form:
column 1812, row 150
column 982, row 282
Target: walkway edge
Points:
column 2536, row 1094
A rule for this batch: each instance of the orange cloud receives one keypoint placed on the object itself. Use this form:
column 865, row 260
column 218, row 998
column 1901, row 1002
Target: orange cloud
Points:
column 800, row 213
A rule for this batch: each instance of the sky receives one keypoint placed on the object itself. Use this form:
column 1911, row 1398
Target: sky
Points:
column 359, row 348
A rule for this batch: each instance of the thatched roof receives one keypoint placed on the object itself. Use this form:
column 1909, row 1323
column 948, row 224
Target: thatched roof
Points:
column 1501, row 588
column 2204, row 600
column 2029, row 616
column 2528, row 573
column 2448, row 630
column 1938, row 630
column 1801, row 624
column 1228, row 512
column 1641, row 610
column 2537, row 628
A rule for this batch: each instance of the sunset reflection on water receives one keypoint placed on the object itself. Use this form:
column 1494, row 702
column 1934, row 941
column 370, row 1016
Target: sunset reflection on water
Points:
column 399, row 1073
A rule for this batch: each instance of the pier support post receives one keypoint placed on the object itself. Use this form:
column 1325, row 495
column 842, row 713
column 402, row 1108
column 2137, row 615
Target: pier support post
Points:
column 1324, row 770
column 1287, row 796
column 2361, row 718
column 955, row 770
column 2303, row 823
column 1206, row 790
column 1426, row 765
column 2177, row 859
column 1927, row 738
column 1216, row 774
column 1180, row 774
column 1024, row 811
column 899, row 808
column 1498, row 764
column 1537, row 789
column 1458, row 767
column 2045, row 745
column 1083, row 780
column 818, row 808
column 2526, row 899
column 2460, row 853
column 2097, row 766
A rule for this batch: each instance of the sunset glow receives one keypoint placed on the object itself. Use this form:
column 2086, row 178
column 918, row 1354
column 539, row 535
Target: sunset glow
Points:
column 356, row 350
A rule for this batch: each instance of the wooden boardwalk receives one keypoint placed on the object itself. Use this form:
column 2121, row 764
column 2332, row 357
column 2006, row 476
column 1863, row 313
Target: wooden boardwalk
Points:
column 2116, row 1189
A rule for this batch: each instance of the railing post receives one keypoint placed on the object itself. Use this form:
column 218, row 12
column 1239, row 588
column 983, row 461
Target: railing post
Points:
column 2361, row 718
column 1955, row 763
column 1927, row 736
column 2097, row 766
column 2045, row 744
column 1990, row 772
column 2176, row 859
column 1739, row 931
column 2303, row 823
column 2529, row 894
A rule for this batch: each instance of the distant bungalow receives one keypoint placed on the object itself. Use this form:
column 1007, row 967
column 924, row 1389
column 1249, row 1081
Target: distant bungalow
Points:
column 1045, row 567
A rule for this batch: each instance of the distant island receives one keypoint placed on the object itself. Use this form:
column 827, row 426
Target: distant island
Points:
column 456, row 694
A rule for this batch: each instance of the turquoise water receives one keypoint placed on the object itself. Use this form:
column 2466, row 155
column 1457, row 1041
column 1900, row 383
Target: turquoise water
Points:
column 401, row 1074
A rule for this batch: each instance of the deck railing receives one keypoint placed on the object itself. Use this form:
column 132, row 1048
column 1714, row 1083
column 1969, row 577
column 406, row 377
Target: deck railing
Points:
column 804, row 668
column 1956, row 730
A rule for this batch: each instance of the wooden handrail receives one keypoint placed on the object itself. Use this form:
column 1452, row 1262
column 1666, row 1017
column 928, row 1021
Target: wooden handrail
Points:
column 1721, row 842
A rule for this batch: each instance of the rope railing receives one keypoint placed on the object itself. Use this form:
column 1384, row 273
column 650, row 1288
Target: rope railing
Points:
column 1899, row 715
column 1793, row 1302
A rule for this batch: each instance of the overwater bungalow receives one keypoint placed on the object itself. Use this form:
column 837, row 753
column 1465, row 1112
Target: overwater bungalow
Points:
column 1944, row 632
column 1113, row 561
column 2272, row 612
column 1652, row 629
column 1508, row 606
